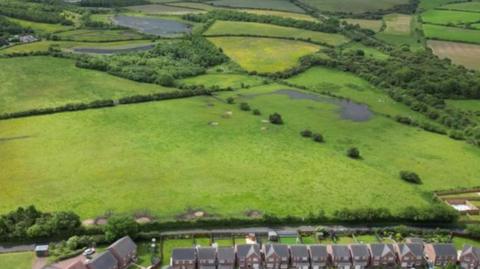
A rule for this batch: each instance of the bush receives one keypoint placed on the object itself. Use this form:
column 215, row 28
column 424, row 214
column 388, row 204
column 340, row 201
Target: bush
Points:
column 119, row 226
column 257, row 112
column 275, row 118
column 353, row 153
column 410, row 177
column 474, row 230
column 306, row 133
column 230, row 100
column 318, row 138
column 245, row 107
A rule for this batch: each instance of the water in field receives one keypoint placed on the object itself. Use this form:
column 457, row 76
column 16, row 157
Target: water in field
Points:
column 152, row 26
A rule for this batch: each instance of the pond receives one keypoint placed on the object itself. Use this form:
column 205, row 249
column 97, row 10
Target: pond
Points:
column 114, row 50
column 152, row 26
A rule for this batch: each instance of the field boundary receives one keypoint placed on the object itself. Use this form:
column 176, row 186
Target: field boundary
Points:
column 271, row 37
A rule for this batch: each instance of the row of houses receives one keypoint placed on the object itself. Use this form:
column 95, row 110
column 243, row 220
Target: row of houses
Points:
column 358, row 256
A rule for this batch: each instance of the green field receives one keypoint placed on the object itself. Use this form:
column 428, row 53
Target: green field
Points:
column 41, row 81
column 21, row 260
column 261, row 29
column 159, row 9
column 374, row 25
column 469, row 105
column 105, row 18
column 282, row 5
column 447, row 17
column 96, row 35
column 366, row 239
column 467, row 6
column 42, row 28
column 283, row 14
column 431, row 4
column 264, row 54
column 357, row 6
column 451, row 33
column 459, row 242
column 399, row 31
column 221, row 80
column 398, row 24
column 178, row 158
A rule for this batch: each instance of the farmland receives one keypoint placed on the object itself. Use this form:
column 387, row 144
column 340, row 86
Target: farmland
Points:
column 282, row 5
column 158, row 9
column 264, row 54
column 41, row 27
column 223, row 80
column 467, row 55
column 446, row 17
column 451, row 33
column 260, row 29
column 99, row 35
column 374, row 25
column 359, row 6
column 473, row 6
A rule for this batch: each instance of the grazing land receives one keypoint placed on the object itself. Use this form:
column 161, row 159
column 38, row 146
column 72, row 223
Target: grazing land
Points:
column 447, row 17
column 473, row 6
column 282, row 5
column 221, row 80
column 374, row 25
column 96, row 35
column 21, row 260
column 158, row 9
column 398, row 24
column 240, row 159
column 451, row 33
column 467, row 55
column 264, row 55
column 41, row 27
column 357, row 6
column 261, row 29
column 283, row 14
column 432, row 4
column 58, row 82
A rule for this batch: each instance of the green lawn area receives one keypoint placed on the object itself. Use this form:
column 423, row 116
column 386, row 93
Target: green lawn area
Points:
column 42, row 81
column 144, row 253
column 262, row 29
column 282, row 5
column 460, row 241
column 309, row 239
column 223, row 80
column 469, row 105
column 466, row 6
column 264, row 55
column 451, row 33
column 202, row 241
column 167, row 153
column 39, row 27
column 345, row 240
column 21, row 260
column 446, row 17
column 357, row 6
column 170, row 244
column 289, row 240
column 374, row 25
column 96, row 35
column 224, row 242
column 366, row 239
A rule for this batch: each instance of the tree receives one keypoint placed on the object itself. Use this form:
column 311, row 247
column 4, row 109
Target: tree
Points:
column 257, row 112
column 306, row 133
column 119, row 226
column 410, row 177
column 353, row 153
column 245, row 107
column 275, row 118
column 318, row 138
column 230, row 100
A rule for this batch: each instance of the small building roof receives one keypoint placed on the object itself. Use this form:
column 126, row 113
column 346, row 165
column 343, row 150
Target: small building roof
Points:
column 381, row 250
column 183, row 254
column 103, row 261
column 445, row 249
column 41, row 247
column 123, row 246
column 467, row 249
column 248, row 250
column 276, row 249
column 284, row 233
column 206, row 253
column 340, row 251
column 318, row 251
column 359, row 250
column 226, row 253
column 299, row 251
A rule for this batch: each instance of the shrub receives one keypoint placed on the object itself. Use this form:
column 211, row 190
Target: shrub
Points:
column 119, row 226
column 318, row 138
column 245, row 107
column 230, row 100
column 275, row 118
column 306, row 133
column 410, row 177
column 257, row 112
column 353, row 153
column 474, row 230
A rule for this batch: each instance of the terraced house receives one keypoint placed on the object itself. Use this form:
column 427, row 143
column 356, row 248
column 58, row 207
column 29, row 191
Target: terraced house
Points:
column 248, row 256
column 318, row 256
column 340, row 256
column 441, row 254
column 183, row 258
column 300, row 259
column 360, row 255
column 410, row 255
column 277, row 256
column 226, row 257
column 470, row 257
column 207, row 258
column 382, row 255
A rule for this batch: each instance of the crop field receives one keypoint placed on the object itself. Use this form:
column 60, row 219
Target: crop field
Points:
column 21, row 260
column 40, row 81
column 447, row 17
column 283, row 14
column 41, row 27
column 221, row 80
column 374, row 25
column 451, row 33
column 264, row 54
column 262, row 29
column 282, row 5
column 467, row 55
column 432, row 4
column 357, row 6
column 399, row 31
column 225, row 168
column 159, row 9
column 398, row 24
column 96, row 35
column 467, row 6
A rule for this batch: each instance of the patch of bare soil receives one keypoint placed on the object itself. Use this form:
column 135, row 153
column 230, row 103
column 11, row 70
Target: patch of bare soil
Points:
column 88, row 222
column 192, row 214
column 254, row 214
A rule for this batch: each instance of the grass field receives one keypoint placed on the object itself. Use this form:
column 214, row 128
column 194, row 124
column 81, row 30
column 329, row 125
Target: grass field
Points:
column 41, row 81
column 459, row 242
column 357, row 6
column 469, row 105
column 283, row 14
column 447, row 17
column 467, row 55
column 39, row 27
column 153, row 154
column 399, row 31
column 366, row 239
column 159, row 9
column 96, row 35
column 105, row 18
column 21, row 260
column 398, row 24
column 264, row 54
column 374, row 25
column 222, row 80
column 262, row 29
column 451, row 33
column 431, row 4
column 467, row 6
column 282, row 5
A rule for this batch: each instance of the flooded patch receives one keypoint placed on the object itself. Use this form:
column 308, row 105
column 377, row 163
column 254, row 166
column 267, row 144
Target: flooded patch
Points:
column 152, row 26
column 113, row 50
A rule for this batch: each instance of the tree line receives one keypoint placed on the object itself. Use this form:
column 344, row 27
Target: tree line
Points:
column 34, row 12
column 9, row 28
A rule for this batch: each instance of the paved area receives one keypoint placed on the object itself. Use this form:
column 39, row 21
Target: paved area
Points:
column 16, row 248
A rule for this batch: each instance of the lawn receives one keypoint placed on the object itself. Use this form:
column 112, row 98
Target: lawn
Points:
column 261, row 29
column 451, row 33
column 223, row 80
column 265, row 55
column 42, row 81
column 170, row 244
column 21, row 260
column 42, row 28
column 467, row 55
column 459, row 242
column 309, row 239
column 289, row 240
column 152, row 154
column 447, row 17
column 282, row 5
column 374, row 25
column 473, row 6
column 96, row 35
column 343, row 240
column 202, row 241
column 357, row 6
column 144, row 253
column 366, row 239
column 224, row 242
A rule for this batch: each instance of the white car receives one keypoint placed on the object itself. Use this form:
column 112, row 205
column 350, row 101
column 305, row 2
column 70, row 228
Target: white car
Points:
column 89, row 252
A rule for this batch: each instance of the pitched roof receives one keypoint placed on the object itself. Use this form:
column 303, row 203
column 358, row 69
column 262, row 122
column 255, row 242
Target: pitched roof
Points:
column 340, row 251
column 445, row 249
column 467, row 249
column 278, row 249
column 77, row 265
column 206, row 253
column 318, row 251
column 416, row 249
column 299, row 251
column 414, row 240
column 226, row 253
column 183, row 254
column 123, row 246
column 380, row 250
column 106, row 260
column 359, row 250
column 248, row 250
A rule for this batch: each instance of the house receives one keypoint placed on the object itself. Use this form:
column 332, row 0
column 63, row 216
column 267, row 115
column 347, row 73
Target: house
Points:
column 382, row 255
column 340, row 256
column 106, row 260
column 77, row 265
column 207, row 258
column 124, row 250
column 248, row 256
column 441, row 254
column 183, row 258
column 41, row 250
column 410, row 255
column 360, row 255
column 272, row 236
column 299, row 256
column 318, row 256
column 277, row 256
column 226, row 258
column 470, row 257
